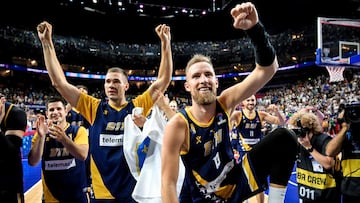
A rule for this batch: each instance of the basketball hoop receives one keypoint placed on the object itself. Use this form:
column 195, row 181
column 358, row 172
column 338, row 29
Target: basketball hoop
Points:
column 336, row 73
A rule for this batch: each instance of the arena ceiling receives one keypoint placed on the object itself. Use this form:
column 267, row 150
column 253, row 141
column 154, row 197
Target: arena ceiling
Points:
column 189, row 19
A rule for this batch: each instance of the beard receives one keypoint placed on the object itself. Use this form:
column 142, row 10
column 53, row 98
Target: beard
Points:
column 204, row 99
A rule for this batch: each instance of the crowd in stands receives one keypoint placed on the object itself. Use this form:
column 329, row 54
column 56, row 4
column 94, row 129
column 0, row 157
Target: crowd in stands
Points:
column 96, row 54
column 326, row 96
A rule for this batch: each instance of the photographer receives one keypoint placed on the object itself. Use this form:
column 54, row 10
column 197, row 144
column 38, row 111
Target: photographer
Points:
column 348, row 143
column 315, row 170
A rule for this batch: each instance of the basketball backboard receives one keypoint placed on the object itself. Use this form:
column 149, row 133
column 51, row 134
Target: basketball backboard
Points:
column 338, row 42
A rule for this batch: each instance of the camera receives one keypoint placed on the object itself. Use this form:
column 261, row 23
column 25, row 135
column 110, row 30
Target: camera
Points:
column 299, row 132
column 352, row 112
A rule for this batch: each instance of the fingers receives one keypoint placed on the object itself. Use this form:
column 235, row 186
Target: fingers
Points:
column 242, row 10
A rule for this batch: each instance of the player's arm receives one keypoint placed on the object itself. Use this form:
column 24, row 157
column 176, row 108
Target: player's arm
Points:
column 166, row 63
column 70, row 93
column 78, row 148
column 246, row 18
column 278, row 118
column 174, row 136
column 38, row 141
column 163, row 104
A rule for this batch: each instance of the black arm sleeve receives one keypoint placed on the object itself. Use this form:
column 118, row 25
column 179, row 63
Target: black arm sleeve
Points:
column 264, row 50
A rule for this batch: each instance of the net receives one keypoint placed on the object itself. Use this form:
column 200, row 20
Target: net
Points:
column 336, row 73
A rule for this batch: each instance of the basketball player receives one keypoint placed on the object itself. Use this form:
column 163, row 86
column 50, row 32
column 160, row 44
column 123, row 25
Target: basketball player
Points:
column 200, row 132
column 247, row 125
column 13, row 125
column 111, row 177
column 63, row 149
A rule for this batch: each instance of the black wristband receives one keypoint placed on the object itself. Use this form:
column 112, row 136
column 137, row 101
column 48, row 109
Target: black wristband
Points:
column 311, row 149
column 264, row 51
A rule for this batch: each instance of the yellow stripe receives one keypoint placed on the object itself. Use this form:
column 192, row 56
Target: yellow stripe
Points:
column 224, row 192
column 315, row 180
column 351, row 167
column 249, row 174
column 7, row 113
column 187, row 144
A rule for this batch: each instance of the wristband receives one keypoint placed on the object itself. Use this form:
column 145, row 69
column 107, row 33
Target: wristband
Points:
column 311, row 149
column 264, row 51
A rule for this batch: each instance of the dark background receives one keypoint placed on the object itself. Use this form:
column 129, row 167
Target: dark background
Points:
column 108, row 23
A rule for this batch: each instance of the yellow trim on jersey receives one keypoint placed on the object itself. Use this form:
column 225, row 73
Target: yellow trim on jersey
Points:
column 7, row 114
column 224, row 191
column 145, row 99
column 249, row 173
column 314, row 180
column 203, row 125
column 48, row 196
column 100, row 190
column 82, row 136
column 186, row 149
column 88, row 105
column 351, row 167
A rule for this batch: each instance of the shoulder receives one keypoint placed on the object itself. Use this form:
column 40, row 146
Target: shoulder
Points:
column 322, row 139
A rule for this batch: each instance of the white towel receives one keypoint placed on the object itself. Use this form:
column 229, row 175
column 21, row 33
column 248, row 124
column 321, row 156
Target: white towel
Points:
column 148, row 187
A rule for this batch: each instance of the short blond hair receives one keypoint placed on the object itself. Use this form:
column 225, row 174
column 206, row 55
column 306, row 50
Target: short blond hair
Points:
column 118, row 70
column 196, row 59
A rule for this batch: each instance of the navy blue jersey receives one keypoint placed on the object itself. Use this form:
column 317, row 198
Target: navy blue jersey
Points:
column 111, row 177
column 64, row 176
column 247, row 133
column 212, row 173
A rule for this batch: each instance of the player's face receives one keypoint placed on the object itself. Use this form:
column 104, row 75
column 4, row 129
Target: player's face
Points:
column 250, row 103
column 115, row 85
column 173, row 106
column 56, row 112
column 83, row 90
column 202, row 83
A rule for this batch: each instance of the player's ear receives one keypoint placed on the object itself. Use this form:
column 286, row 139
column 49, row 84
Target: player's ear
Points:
column 126, row 86
column 187, row 86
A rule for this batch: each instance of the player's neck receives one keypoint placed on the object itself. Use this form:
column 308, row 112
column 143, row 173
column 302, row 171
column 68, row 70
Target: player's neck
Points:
column 248, row 112
column 117, row 102
column 203, row 113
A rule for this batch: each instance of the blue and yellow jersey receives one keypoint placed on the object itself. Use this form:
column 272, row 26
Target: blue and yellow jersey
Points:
column 111, row 177
column 212, row 173
column 64, row 177
column 247, row 132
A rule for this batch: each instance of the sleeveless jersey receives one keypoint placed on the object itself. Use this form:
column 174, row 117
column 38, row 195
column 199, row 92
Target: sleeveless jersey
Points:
column 350, row 162
column 212, row 173
column 248, row 131
column 316, row 184
column 11, row 170
column 64, row 177
column 111, row 177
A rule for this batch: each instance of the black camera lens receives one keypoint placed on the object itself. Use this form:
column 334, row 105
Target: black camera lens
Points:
column 299, row 132
column 352, row 113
